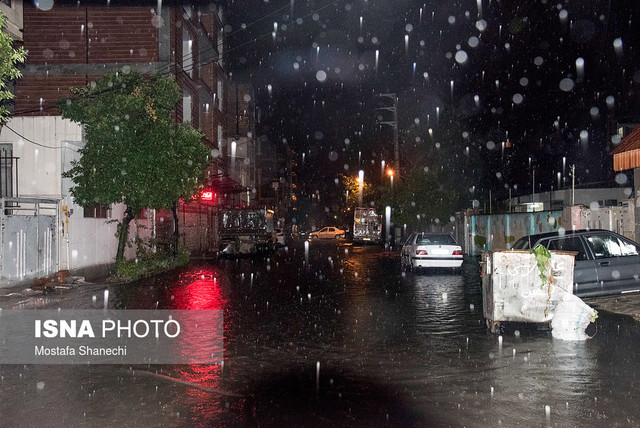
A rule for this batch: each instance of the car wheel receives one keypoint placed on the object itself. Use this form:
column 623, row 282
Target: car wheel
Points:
column 314, row 236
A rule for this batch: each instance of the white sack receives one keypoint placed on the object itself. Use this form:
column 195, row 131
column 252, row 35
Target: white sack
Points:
column 571, row 318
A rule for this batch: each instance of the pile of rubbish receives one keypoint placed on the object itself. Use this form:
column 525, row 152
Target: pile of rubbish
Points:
column 59, row 281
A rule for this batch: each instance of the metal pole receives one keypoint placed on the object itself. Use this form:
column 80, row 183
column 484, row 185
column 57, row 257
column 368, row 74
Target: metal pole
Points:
column 396, row 143
column 533, row 187
column 573, row 184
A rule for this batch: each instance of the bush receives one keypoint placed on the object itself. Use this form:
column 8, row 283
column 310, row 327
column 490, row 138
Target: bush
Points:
column 148, row 263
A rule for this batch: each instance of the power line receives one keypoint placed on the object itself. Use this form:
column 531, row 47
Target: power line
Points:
column 33, row 142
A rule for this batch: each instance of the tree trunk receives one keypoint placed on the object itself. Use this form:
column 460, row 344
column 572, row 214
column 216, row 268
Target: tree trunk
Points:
column 123, row 234
column 176, row 231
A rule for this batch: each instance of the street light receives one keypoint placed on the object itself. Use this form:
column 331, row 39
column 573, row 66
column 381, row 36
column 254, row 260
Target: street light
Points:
column 390, row 173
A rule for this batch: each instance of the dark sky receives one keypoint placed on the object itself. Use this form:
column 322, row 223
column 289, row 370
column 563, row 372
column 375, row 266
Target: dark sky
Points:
column 553, row 78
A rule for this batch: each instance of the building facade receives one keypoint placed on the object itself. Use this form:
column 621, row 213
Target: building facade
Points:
column 73, row 44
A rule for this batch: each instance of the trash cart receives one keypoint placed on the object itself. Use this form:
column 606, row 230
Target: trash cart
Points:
column 515, row 289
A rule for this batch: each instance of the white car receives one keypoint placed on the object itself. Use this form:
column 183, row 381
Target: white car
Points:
column 327, row 233
column 280, row 241
column 431, row 250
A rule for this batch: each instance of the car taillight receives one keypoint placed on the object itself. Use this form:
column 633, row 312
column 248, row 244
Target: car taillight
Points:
column 457, row 252
column 421, row 253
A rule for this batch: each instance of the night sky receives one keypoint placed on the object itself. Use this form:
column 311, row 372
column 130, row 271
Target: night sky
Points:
column 487, row 90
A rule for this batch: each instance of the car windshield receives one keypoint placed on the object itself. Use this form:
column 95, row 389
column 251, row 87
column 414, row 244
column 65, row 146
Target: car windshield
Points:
column 521, row 244
column 435, row 239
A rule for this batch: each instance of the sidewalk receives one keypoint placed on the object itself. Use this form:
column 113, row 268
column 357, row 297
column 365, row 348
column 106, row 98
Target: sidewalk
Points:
column 624, row 304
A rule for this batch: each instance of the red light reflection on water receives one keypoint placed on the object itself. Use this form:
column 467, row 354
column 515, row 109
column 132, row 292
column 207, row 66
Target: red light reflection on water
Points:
column 198, row 290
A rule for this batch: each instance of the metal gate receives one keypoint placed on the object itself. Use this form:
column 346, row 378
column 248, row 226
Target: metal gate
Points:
column 29, row 238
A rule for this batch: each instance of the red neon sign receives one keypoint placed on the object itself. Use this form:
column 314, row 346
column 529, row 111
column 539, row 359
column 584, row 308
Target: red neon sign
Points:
column 207, row 196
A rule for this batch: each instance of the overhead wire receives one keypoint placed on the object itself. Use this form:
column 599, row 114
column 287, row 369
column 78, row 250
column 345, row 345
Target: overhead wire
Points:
column 31, row 141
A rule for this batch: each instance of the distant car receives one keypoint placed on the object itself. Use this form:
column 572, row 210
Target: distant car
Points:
column 279, row 237
column 328, row 233
column 431, row 250
column 606, row 263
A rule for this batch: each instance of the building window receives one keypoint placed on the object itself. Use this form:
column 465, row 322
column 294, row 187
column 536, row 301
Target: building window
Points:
column 220, row 138
column 187, row 53
column 219, row 94
column 6, row 170
column 96, row 211
column 186, row 107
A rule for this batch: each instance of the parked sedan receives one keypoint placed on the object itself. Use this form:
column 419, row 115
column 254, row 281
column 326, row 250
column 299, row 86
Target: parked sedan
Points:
column 431, row 250
column 328, row 233
column 606, row 263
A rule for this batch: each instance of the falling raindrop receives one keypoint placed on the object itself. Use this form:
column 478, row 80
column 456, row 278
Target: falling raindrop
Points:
column 321, row 75
column 617, row 45
column 580, row 68
column 611, row 101
column 461, row 57
column 566, row 84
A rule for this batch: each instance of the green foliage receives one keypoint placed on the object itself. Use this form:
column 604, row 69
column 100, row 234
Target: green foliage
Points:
column 148, row 263
column 352, row 185
column 419, row 199
column 543, row 256
column 9, row 58
column 134, row 153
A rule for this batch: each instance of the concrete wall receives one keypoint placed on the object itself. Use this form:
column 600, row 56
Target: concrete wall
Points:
column 500, row 231
column 477, row 232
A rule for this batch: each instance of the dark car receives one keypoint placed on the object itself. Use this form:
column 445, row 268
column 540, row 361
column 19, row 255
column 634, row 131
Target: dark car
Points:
column 606, row 263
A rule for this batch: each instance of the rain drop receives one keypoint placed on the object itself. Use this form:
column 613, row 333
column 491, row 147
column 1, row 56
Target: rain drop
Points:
column 461, row 57
column 321, row 76
column 566, row 84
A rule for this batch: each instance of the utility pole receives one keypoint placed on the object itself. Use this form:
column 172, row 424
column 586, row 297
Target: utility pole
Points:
column 394, row 124
column 573, row 184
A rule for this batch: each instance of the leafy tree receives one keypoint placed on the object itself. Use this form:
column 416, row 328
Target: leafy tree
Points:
column 420, row 200
column 134, row 154
column 9, row 58
column 352, row 185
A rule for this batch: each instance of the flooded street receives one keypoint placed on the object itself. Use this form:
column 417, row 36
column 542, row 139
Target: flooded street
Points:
column 336, row 337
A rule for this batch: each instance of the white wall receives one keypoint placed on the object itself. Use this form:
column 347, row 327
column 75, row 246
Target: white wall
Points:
column 46, row 145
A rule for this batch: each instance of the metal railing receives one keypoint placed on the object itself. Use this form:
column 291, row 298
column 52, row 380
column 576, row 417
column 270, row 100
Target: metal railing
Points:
column 8, row 176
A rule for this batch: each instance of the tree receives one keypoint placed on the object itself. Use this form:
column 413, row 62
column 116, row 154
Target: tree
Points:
column 134, row 154
column 420, row 201
column 352, row 185
column 9, row 58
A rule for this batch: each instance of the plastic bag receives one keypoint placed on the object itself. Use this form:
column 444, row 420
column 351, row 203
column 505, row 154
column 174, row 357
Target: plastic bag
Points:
column 571, row 318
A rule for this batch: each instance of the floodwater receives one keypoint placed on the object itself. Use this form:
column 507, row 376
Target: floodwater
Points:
column 336, row 337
